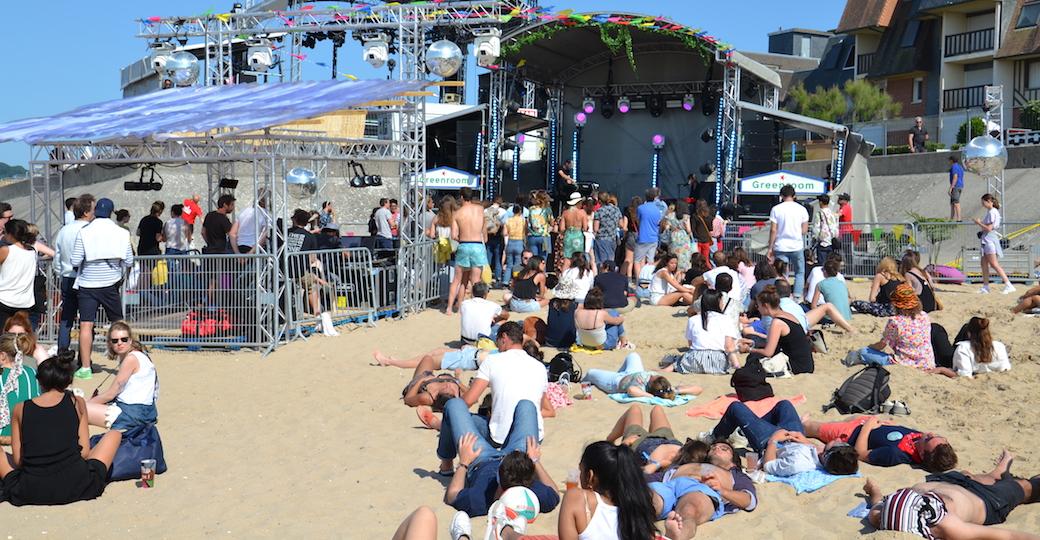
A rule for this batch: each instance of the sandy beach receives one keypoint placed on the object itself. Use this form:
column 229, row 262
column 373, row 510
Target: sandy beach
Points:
column 312, row 441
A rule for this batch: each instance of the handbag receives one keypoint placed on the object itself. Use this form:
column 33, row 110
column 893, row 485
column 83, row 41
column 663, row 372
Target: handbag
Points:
column 779, row 365
column 139, row 443
column 161, row 273
column 819, row 344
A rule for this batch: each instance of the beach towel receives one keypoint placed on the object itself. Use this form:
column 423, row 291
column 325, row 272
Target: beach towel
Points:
column 809, row 481
column 586, row 350
column 715, row 409
column 625, row 398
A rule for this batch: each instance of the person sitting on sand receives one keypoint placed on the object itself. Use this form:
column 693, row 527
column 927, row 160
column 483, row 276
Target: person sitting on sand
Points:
column 130, row 400
column 786, row 334
column 712, row 338
column 832, row 288
column 778, row 437
column 597, row 327
column 34, row 351
column 908, row 333
column 977, row 353
column 632, row 379
column 807, row 319
column 665, row 287
column 51, row 460
column 916, row 277
column 18, row 382
column 487, row 468
column 884, row 444
column 886, row 279
column 576, row 279
column 1028, row 302
column 614, row 286
column 480, row 316
column 527, row 291
column 955, row 505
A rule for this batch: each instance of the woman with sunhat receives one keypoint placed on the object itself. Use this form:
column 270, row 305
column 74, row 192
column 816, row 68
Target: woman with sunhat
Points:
column 909, row 331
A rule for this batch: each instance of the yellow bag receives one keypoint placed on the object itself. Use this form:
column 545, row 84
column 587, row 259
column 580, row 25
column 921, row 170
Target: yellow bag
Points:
column 486, row 276
column 442, row 251
column 160, row 274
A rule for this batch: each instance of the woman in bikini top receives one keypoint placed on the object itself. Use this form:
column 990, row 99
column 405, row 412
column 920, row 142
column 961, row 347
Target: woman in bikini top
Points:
column 424, row 388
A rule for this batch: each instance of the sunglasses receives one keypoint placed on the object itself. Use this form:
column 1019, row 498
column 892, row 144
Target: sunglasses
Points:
column 123, row 339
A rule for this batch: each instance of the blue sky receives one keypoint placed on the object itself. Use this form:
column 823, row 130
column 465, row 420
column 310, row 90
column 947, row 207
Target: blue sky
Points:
column 77, row 59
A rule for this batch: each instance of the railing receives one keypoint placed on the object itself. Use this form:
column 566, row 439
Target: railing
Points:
column 957, row 246
column 963, row 98
column 864, row 62
column 969, row 42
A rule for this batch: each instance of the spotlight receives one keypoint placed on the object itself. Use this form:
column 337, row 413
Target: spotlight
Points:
column 161, row 52
column 588, row 105
column 373, row 180
column 708, row 135
column 606, row 106
column 707, row 169
column 487, row 45
column 752, row 90
column 376, row 49
column 141, row 185
column 260, row 55
column 658, row 141
column 688, row 102
column 709, row 99
column 580, row 119
column 656, row 105
column 624, row 105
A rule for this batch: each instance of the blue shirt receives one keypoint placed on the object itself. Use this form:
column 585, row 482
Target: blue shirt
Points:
column 834, row 291
column 883, row 443
column 482, row 483
column 649, row 214
column 957, row 172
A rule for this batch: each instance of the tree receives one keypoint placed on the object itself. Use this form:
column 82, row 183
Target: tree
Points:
column 827, row 105
column 977, row 127
column 1031, row 115
column 8, row 171
column 869, row 103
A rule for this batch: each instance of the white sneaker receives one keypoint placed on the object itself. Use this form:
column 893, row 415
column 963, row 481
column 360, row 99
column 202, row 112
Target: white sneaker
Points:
column 1008, row 289
column 498, row 520
column 984, row 289
column 460, row 526
column 706, row 437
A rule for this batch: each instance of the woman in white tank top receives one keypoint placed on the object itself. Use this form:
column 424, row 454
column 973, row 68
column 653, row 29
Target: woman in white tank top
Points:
column 130, row 400
column 613, row 501
column 17, row 270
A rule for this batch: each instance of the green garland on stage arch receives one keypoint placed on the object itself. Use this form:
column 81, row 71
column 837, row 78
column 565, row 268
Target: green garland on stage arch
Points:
column 616, row 37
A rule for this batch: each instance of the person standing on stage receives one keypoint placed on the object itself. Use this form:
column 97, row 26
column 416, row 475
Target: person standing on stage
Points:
column 565, row 177
column 101, row 254
column 788, row 224
column 956, row 186
column 691, row 199
column 467, row 227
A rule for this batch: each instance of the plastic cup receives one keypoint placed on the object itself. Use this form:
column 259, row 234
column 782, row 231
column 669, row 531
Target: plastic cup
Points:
column 752, row 461
column 147, row 473
column 572, row 479
column 586, row 390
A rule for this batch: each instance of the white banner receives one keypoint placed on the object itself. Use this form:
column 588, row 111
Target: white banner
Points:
column 770, row 184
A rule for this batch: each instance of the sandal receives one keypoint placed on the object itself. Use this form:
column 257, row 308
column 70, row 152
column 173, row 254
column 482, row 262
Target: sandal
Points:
column 899, row 408
column 628, row 346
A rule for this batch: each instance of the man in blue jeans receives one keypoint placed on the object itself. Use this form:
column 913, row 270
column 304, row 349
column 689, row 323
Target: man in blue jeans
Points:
column 486, row 470
column 779, row 438
column 83, row 213
column 788, row 225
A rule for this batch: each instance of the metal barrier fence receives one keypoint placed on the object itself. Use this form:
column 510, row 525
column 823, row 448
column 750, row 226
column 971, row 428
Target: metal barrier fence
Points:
column 958, row 246
column 342, row 282
column 422, row 278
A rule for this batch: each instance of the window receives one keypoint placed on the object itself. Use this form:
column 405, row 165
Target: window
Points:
column 1029, row 15
column 804, row 46
column 850, row 58
column 1033, row 74
column 918, row 90
column 910, row 34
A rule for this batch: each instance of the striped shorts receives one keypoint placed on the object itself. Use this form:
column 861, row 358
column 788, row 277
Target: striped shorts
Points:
column 700, row 361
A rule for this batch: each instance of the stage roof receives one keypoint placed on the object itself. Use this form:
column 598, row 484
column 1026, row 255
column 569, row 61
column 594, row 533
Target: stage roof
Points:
column 160, row 115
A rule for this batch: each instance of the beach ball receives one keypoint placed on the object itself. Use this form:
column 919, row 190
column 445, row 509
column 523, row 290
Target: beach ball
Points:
column 985, row 156
column 183, row 68
column 301, row 183
column 443, row 58
column 520, row 501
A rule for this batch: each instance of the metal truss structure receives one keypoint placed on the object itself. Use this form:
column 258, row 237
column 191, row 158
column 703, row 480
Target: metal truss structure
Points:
column 994, row 99
column 727, row 134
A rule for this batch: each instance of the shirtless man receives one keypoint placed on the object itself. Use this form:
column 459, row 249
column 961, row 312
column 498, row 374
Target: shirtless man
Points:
column 686, row 501
column 955, row 505
column 572, row 222
column 1028, row 301
column 467, row 228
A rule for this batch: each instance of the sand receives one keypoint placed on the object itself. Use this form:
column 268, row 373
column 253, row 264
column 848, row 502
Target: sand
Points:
column 312, row 441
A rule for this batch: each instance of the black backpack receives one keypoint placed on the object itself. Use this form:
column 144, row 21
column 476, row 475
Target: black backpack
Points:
column 863, row 392
column 562, row 365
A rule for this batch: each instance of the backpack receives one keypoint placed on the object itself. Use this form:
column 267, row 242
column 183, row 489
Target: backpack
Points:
column 749, row 382
column 372, row 227
column 563, row 369
column 863, row 392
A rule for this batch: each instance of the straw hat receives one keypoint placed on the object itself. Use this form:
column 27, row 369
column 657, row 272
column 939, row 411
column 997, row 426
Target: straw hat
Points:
column 904, row 297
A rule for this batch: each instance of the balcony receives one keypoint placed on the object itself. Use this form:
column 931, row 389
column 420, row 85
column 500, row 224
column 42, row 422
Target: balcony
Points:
column 963, row 98
column 969, row 42
column 864, row 62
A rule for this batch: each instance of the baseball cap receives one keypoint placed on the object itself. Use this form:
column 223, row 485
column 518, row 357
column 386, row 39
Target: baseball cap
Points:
column 104, row 208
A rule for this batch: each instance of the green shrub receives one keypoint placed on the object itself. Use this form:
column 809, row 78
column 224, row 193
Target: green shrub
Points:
column 1031, row 115
column 978, row 127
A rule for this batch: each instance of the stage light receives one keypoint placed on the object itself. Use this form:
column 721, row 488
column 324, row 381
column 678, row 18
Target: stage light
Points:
column 375, row 49
column 520, row 138
column 141, row 185
column 656, row 105
column 707, row 168
column 658, row 141
column 580, row 119
column 588, row 105
column 606, row 106
column 688, row 102
column 752, row 90
column 487, row 46
column 709, row 99
column 260, row 55
column 624, row 105
column 161, row 52
column 708, row 135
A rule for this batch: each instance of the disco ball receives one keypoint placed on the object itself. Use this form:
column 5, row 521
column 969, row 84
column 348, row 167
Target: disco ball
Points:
column 444, row 58
column 301, row 183
column 183, row 68
column 985, row 156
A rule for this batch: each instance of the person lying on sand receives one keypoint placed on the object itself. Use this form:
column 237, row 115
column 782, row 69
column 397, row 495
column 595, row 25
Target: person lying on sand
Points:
column 1028, row 301
column 884, row 444
column 955, row 505
column 633, row 380
column 656, row 448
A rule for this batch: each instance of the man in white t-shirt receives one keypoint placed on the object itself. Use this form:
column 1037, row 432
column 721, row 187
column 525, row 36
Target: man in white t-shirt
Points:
column 513, row 376
column 250, row 228
column 480, row 315
column 788, row 225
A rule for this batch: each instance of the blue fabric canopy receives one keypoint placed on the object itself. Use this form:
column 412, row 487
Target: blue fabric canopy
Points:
column 200, row 109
